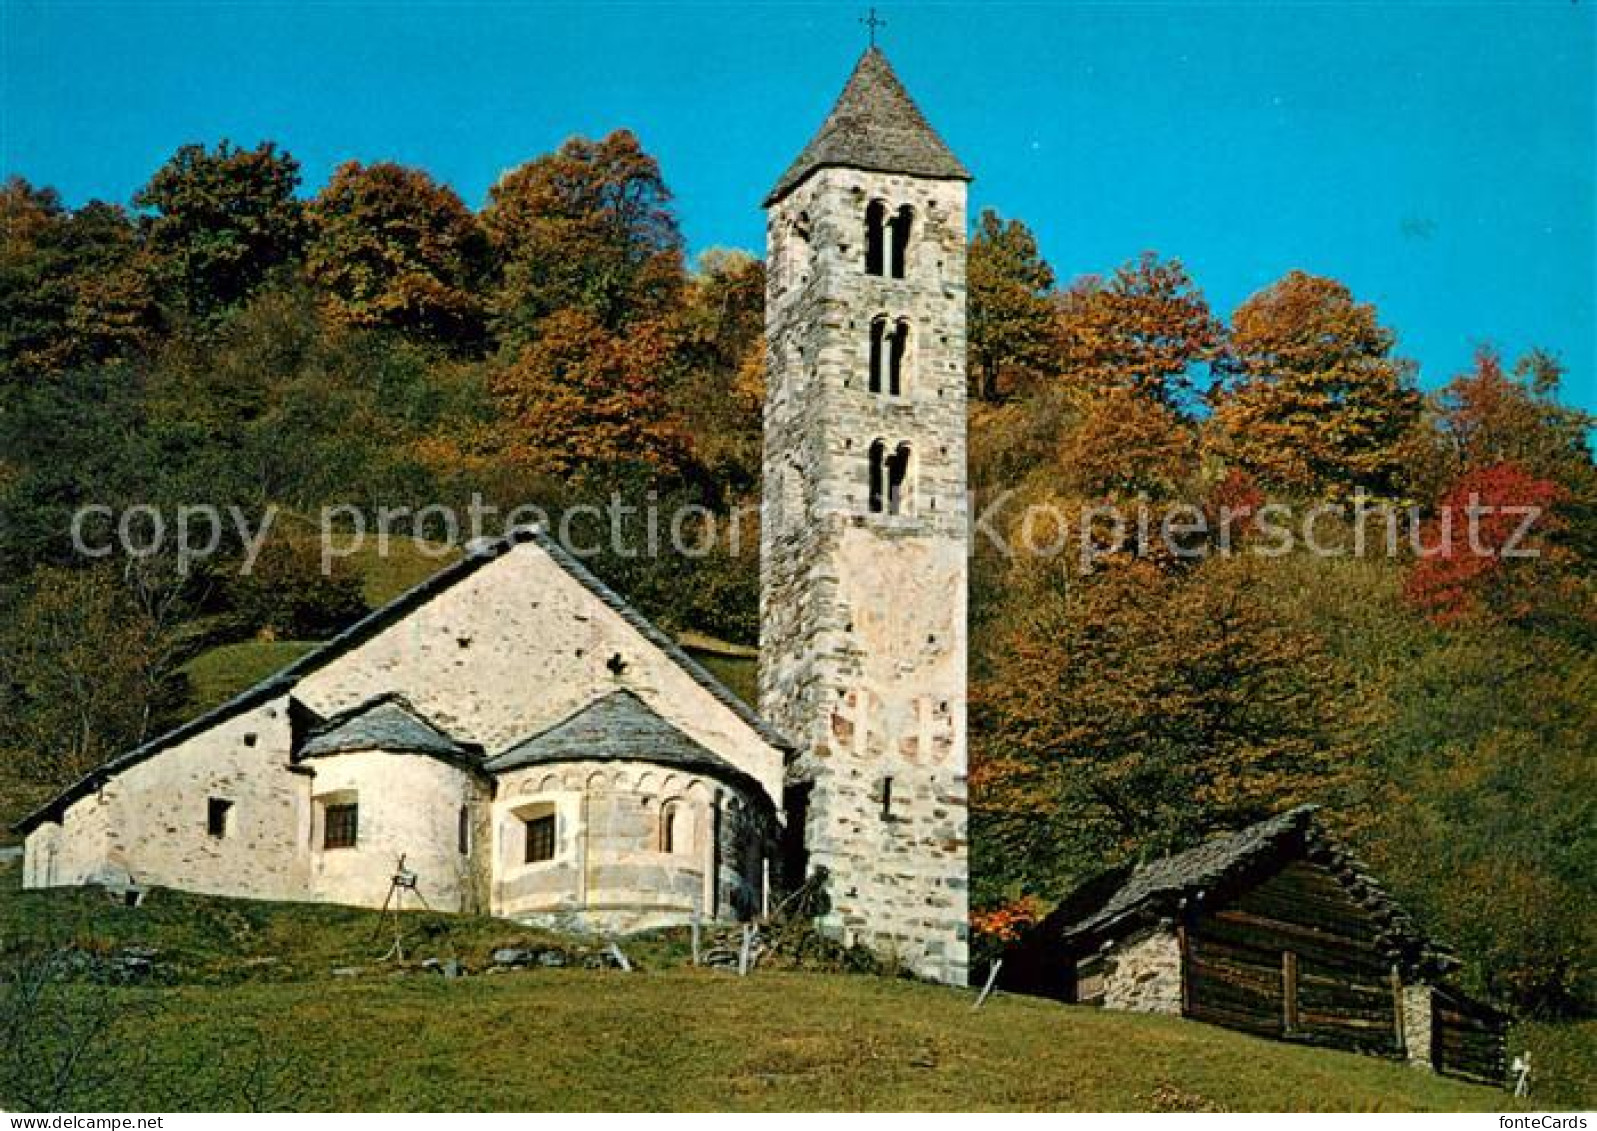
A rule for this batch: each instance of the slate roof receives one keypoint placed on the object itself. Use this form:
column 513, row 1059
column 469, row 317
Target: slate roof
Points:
column 477, row 555
column 874, row 126
column 1160, row 887
column 619, row 727
column 386, row 723
column 1193, row 870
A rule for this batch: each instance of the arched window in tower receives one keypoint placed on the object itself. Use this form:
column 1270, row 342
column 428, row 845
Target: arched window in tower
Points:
column 901, row 225
column 898, row 480
column 878, row 460
column 875, row 237
column 897, row 354
column 878, row 350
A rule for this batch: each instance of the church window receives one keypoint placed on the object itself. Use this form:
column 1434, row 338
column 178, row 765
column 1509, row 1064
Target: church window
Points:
column 878, row 344
column 676, row 828
column 875, row 237
column 463, row 831
column 895, row 362
column 540, row 838
column 901, row 225
column 878, row 458
column 898, row 480
column 887, row 799
column 216, row 816
column 341, row 825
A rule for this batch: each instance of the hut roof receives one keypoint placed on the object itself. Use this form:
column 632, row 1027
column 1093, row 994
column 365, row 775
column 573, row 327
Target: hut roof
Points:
column 1164, row 887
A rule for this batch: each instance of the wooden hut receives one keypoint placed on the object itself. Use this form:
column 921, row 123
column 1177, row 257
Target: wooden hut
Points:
column 1273, row 930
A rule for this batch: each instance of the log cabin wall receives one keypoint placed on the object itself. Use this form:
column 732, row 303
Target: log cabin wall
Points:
column 1468, row 1040
column 1292, row 956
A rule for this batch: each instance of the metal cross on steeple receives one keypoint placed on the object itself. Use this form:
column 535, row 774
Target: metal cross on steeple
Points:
column 873, row 21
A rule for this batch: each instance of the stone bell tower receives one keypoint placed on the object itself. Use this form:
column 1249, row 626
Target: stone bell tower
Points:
column 864, row 545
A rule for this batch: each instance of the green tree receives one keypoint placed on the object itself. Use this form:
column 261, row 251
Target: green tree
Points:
column 1485, row 826
column 589, row 228
column 81, row 668
column 1313, row 400
column 221, row 222
column 392, row 247
column 1011, row 317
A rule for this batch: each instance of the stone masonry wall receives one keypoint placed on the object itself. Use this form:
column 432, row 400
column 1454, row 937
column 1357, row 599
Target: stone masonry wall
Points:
column 610, row 869
column 516, row 647
column 148, row 823
column 1417, row 1021
column 1143, row 975
column 863, row 616
column 409, row 806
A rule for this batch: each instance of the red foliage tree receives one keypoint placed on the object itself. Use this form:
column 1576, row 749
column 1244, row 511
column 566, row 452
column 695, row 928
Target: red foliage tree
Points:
column 1490, row 531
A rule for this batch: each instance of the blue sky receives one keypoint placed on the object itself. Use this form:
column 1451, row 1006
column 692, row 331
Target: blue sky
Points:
column 1438, row 158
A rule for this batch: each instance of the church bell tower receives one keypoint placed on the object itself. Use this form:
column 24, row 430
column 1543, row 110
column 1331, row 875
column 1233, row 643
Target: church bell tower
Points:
column 865, row 536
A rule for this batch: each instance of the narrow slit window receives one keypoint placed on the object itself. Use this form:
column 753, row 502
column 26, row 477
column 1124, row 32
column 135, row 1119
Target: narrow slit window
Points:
column 463, row 831
column 895, row 364
column 217, row 810
column 898, row 480
column 901, row 225
column 887, row 799
column 878, row 457
column 878, row 341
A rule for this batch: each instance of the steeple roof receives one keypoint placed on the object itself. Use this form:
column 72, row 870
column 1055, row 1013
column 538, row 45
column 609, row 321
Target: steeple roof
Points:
column 874, row 126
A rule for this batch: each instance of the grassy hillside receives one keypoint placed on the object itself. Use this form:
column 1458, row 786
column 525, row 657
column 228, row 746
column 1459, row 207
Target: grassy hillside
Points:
column 219, row 673
column 245, row 993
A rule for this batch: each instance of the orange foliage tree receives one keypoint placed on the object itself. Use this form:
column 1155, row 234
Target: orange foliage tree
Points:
column 582, row 397
column 1146, row 328
column 587, row 228
column 1313, row 401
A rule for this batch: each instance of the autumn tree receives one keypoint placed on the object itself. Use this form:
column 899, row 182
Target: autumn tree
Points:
column 392, row 247
column 1313, row 400
column 590, row 228
column 581, row 397
column 1147, row 328
column 1495, row 414
column 221, row 221
column 1011, row 318
column 75, row 286
column 1486, row 551
column 1133, row 711
column 1124, row 444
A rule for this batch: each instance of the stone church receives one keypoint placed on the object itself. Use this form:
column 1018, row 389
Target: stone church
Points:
column 534, row 748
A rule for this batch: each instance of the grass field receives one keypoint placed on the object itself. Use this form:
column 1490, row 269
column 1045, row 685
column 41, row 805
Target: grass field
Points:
column 245, row 1010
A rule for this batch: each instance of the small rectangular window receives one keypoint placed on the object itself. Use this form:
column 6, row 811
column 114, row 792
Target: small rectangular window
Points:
column 463, row 832
column 216, row 811
column 343, row 826
column 541, row 839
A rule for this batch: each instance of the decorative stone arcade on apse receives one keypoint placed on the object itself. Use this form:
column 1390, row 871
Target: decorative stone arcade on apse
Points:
column 863, row 564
